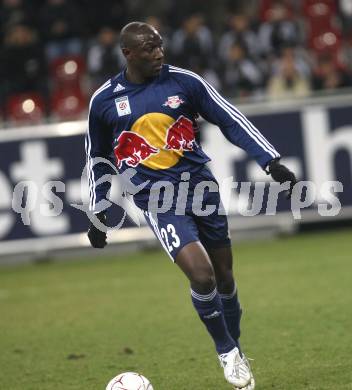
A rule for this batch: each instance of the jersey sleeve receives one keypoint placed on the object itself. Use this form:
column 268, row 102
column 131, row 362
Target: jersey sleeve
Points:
column 232, row 123
column 100, row 163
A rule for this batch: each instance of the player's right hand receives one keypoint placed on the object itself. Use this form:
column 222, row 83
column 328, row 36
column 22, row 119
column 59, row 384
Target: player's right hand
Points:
column 97, row 237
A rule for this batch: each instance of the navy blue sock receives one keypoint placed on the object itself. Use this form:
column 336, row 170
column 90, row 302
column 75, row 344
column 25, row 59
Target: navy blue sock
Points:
column 232, row 313
column 210, row 311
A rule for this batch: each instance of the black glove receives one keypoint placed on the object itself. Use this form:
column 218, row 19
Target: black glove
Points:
column 97, row 237
column 281, row 174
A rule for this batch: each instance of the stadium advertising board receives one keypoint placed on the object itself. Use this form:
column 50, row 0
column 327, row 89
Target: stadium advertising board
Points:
column 41, row 170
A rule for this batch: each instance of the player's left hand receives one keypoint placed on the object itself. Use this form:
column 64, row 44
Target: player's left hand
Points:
column 281, row 174
column 97, row 237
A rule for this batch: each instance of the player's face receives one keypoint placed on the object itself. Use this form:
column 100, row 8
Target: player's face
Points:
column 147, row 56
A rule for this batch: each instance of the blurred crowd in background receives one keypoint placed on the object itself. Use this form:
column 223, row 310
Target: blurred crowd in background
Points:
column 55, row 53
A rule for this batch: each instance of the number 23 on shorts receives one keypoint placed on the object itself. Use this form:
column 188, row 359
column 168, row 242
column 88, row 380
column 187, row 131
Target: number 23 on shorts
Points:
column 170, row 237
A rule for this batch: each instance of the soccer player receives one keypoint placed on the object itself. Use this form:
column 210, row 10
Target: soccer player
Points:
column 145, row 118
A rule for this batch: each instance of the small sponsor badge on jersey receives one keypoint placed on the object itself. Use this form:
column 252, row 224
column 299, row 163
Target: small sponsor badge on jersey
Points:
column 123, row 106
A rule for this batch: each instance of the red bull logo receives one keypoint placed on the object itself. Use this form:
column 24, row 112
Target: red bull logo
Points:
column 180, row 136
column 173, row 102
column 132, row 148
column 156, row 141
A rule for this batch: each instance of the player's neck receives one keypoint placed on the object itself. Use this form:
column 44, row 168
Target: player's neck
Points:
column 135, row 77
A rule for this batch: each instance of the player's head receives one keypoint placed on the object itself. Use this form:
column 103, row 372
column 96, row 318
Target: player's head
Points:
column 142, row 46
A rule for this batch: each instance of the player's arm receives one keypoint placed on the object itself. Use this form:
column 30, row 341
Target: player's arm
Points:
column 98, row 144
column 233, row 124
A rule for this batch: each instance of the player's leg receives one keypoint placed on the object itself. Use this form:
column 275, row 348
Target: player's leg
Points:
column 222, row 262
column 221, row 259
column 214, row 235
column 194, row 261
column 179, row 237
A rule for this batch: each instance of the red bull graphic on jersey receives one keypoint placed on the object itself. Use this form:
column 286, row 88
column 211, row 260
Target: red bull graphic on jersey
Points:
column 180, row 136
column 173, row 102
column 132, row 148
column 155, row 140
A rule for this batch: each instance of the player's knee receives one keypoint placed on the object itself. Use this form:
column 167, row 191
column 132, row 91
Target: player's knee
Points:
column 203, row 280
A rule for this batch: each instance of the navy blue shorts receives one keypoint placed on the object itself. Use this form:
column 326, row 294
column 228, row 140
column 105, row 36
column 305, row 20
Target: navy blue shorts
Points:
column 175, row 231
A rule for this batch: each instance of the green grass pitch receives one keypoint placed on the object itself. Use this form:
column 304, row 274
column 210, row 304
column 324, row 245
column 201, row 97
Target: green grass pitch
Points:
column 75, row 325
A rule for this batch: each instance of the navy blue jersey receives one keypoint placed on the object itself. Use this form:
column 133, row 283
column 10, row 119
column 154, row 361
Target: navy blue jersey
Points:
column 151, row 127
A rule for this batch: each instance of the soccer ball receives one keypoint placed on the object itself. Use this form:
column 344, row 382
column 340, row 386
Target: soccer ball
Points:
column 129, row 381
